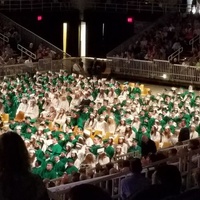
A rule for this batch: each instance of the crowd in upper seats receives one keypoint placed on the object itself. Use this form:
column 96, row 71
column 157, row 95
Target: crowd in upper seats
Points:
column 8, row 51
column 73, row 121
column 164, row 39
column 9, row 54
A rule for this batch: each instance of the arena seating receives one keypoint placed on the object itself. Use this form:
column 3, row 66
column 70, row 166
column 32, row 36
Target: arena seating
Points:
column 77, row 121
column 164, row 39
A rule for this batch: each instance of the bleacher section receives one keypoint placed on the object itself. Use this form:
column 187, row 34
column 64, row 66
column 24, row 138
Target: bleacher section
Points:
column 25, row 44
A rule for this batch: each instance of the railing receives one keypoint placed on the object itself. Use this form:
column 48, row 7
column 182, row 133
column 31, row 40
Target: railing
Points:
column 135, row 5
column 42, row 65
column 21, row 5
column 139, row 6
column 31, row 37
column 4, row 38
column 112, row 183
column 155, row 70
column 194, row 40
column 26, row 51
column 177, row 53
column 126, row 156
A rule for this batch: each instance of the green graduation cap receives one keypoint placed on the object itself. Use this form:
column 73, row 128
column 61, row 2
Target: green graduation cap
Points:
column 70, row 160
column 105, row 141
column 32, row 121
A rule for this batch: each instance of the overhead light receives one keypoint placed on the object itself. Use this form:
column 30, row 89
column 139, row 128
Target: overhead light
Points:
column 164, row 76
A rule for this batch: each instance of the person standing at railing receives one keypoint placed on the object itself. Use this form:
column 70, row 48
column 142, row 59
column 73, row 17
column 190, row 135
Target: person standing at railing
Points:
column 148, row 146
column 184, row 132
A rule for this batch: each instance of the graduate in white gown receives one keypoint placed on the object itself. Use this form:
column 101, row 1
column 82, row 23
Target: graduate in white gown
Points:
column 22, row 106
column 60, row 117
column 32, row 110
column 101, row 125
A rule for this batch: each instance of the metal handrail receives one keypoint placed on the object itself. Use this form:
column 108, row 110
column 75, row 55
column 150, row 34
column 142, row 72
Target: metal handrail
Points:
column 135, row 5
column 53, row 47
column 4, row 38
column 175, row 54
column 194, row 39
column 26, row 51
column 186, row 172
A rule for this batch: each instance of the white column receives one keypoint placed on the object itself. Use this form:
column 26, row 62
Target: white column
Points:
column 64, row 39
column 82, row 39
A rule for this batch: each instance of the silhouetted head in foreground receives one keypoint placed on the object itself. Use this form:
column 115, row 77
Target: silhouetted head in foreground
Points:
column 170, row 177
column 14, row 157
column 16, row 180
column 89, row 192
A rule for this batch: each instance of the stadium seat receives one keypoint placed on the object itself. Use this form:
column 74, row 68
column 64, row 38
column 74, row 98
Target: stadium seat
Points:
column 132, row 85
column 142, row 87
column 166, row 144
column 121, row 86
column 145, row 91
column 5, row 118
column 51, row 126
column 20, row 117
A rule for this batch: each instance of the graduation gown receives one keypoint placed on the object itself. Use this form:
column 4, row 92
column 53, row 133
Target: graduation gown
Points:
column 55, row 149
column 49, row 174
column 59, row 168
column 110, row 151
column 71, row 169
column 134, row 149
column 94, row 148
column 37, row 170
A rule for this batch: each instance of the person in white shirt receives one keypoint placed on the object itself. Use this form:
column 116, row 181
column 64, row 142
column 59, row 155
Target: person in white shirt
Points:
column 64, row 104
column 60, row 117
column 155, row 135
column 103, row 159
column 101, row 96
column 22, row 106
column 121, row 127
column 55, row 101
column 129, row 135
column 136, row 123
column 101, row 125
column 123, row 95
column 76, row 100
column 111, row 125
column 193, row 133
column 166, row 137
column 174, row 137
column 32, row 111
column 121, row 142
column 91, row 122
column 88, row 140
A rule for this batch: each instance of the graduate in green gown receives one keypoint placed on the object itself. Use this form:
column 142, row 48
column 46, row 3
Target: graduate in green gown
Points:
column 108, row 149
column 134, row 147
column 71, row 168
column 59, row 166
column 55, row 148
column 97, row 145
column 38, row 168
column 49, row 172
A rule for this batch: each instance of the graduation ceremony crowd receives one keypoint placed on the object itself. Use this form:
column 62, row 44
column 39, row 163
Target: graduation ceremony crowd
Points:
column 75, row 126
